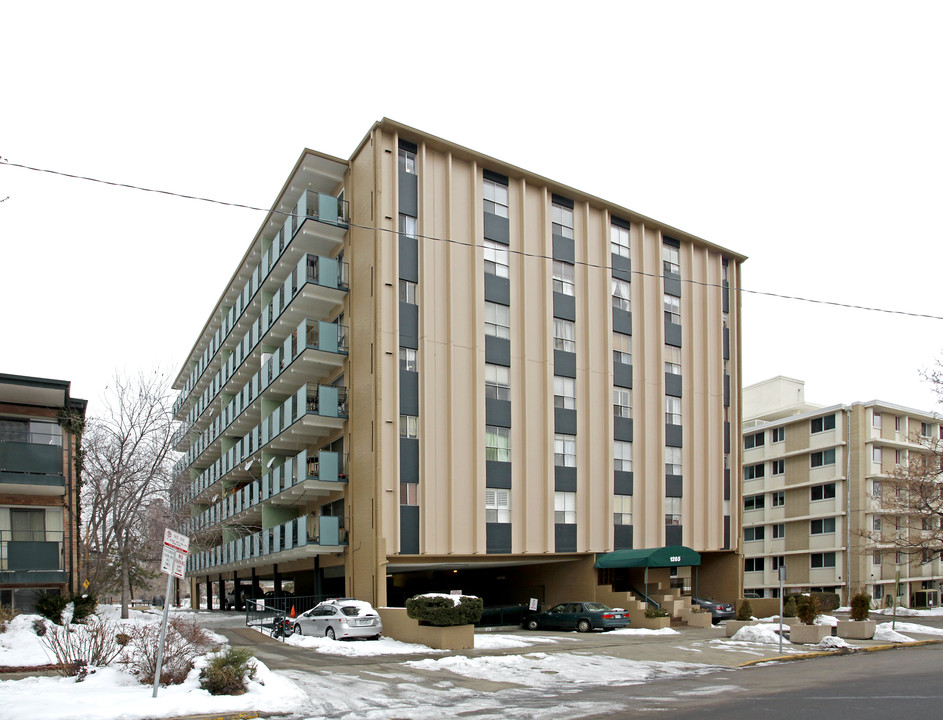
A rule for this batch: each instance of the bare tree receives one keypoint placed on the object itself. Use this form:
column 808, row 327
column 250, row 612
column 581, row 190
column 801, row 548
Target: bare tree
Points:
column 127, row 466
column 912, row 503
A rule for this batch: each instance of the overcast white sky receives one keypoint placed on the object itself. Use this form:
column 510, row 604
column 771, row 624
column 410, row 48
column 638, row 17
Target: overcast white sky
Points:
column 806, row 135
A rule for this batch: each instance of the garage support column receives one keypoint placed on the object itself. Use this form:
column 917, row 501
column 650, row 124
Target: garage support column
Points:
column 222, row 592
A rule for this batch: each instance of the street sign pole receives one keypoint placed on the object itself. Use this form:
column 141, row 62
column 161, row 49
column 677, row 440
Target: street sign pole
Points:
column 174, row 563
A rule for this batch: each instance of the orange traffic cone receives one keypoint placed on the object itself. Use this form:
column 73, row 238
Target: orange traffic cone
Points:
column 292, row 613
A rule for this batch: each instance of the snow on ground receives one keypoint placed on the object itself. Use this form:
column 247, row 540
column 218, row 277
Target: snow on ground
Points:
column 762, row 634
column 833, row 642
column 885, row 633
column 902, row 611
column 826, row 620
column 915, row 628
column 644, row 631
column 540, row 670
column 358, row 648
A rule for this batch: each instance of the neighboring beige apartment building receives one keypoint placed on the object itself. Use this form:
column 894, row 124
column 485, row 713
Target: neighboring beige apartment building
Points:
column 433, row 370
column 812, row 494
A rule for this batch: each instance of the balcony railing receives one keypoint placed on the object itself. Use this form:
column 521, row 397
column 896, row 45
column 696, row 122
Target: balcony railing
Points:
column 316, row 206
column 323, row 466
column 294, row 539
column 326, row 401
column 30, row 552
column 323, row 272
column 34, row 461
column 309, row 335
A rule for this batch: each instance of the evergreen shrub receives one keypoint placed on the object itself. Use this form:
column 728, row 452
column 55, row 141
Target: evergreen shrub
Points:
column 442, row 611
column 228, row 672
column 860, row 606
column 746, row 611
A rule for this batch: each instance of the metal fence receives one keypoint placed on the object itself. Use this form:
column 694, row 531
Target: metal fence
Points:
column 262, row 612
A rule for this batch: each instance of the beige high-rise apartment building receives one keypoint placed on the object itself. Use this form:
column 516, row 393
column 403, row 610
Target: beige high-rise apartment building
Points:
column 433, row 370
column 815, row 494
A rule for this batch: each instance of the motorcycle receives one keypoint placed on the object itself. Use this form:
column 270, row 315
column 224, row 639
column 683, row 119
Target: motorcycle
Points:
column 282, row 627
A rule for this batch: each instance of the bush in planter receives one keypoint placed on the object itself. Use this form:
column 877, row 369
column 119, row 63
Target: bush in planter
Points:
column 746, row 611
column 789, row 609
column 860, row 606
column 443, row 610
column 827, row 601
column 807, row 609
column 654, row 612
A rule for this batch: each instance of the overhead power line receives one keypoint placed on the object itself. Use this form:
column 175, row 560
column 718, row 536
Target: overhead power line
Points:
column 522, row 253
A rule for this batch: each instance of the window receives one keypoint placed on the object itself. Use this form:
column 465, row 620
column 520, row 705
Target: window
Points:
column 497, row 443
column 672, row 511
column 897, row 423
column 822, row 526
column 672, row 410
column 622, row 510
column 754, row 564
column 408, row 493
column 407, row 161
column 407, row 292
column 497, row 506
column 925, row 429
column 622, row 456
column 899, row 457
column 564, row 450
column 822, row 424
column 564, row 508
column 876, row 523
column 778, row 562
column 621, row 348
column 876, row 420
column 822, row 560
column 751, row 534
column 672, row 360
column 621, row 295
column 672, row 309
column 496, row 259
column 497, row 382
column 671, row 259
column 561, row 219
column 622, row 402
column 779, row 467
column 822, row 492
column 497, row 320
column 754, row 440
column 562, row 277
column 779, row 434
column 407, row 359
column 495, row 198
column 753, row 502
column 27, row 525
column 619, row 240
column 778, row 498
column 779, row 531
column 876, row 489
column 752, row 472
column 564, row 392
column 825, row 457
column 876, row 455
column 408, row 426
column 564, row 335
column 672, row 461
column 408, row 226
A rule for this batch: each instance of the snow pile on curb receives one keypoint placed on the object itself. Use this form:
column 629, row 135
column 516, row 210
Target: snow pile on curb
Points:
column 764, row 634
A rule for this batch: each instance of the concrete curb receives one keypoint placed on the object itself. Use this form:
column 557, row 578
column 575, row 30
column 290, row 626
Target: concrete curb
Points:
column 839, row 651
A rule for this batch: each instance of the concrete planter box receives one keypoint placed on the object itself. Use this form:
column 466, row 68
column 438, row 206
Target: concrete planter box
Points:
column 732, row 626
column 655, row 623
column 399, row 626
column 697, row 619
column 857, row 629
column 801, row 634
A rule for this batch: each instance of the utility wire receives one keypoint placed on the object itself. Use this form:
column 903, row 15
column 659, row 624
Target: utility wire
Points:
column 522, row 253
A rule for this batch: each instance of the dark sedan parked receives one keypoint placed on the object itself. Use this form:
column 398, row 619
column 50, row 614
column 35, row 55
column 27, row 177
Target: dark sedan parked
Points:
column 718, row 610
column 582, row 616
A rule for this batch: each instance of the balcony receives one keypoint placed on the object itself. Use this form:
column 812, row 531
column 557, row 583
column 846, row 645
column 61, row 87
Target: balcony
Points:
column 294, row 540
column 307, row 475
column 322, row 221
column 314, row 289
column 31, row 468
column 31, row 557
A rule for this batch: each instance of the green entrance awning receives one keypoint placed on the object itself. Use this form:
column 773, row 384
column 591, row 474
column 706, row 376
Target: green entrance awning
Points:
column 670, row 556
